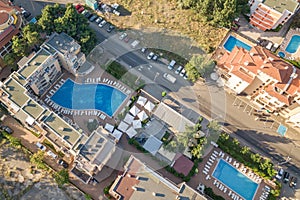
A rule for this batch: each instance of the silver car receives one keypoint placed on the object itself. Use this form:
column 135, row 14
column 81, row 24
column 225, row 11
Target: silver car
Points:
column 102, row 23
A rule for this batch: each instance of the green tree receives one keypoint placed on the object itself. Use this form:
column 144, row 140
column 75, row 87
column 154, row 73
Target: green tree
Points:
column 16, row 142
column 31, row 34
column 62, row 177
column 19, row 46
column 199, row 66
column 214, row 127
column 37, row 159
column 245, row 150
column 9, row 59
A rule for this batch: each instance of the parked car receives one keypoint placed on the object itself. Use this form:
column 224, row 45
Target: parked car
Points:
column 7, row 129
column 110, row 28
column 40, row 146
column 102, row 23
column 178, row 70
column 171, row 64
column 80, row 10
column 155, row 57
column 150, row 55
column 182, row 73
column 293, row 182
column 63, row 163
column 78, row 6
column 50, row 153
column 169, row 77
column 143, row 50
column 185, row 76
column 286, row 177
column 124, row 35
column 93, row 18
column 84, row 12
column 98, row 20
column 88, row 14
column 279, row 174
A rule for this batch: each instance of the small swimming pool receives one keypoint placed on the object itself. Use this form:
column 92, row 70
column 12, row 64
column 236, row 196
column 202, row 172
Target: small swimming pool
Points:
column 294, row 44
column 101, row 97
column 281, row 54
column 232, row 41
column 235, row 180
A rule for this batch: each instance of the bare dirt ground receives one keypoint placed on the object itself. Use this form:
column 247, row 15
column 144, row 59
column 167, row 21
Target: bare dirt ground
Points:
column 19, row 179
column 165, row 16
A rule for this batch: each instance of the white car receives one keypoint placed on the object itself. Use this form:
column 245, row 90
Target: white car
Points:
column 102, row 23
column 40, row 146
column 178, row 70
column 150, row 55
column 50, row 153
column 98, row 20
column 182, row 73
column 124, row 35
column 279, row 174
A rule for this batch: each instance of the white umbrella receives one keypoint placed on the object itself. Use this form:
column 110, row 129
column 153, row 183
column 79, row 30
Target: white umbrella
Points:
column 131, row 132
column 142, row 115
column 123, row 126
column 141, row 100
column 149, row 106
column 137, row 124
column 134, row 110
column 109, row 127
column 128, row 118
column 117, row 134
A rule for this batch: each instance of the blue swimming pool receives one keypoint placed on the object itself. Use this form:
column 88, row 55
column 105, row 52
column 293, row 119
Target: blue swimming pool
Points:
column 231, row 42
column 294, row 44
column 235, row 180
column 88, row 97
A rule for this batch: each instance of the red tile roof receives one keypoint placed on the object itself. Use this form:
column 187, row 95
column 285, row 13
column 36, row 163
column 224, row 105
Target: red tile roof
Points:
column 282, row 98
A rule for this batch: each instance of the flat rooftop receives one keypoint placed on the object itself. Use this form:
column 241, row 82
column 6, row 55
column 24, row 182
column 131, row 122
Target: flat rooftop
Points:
column 62, row 42
column 16, row 92
column 290, row 5
column 97, row 148
column 34, row 63
column 33, row 108
column 140, row 182
column 62, row 128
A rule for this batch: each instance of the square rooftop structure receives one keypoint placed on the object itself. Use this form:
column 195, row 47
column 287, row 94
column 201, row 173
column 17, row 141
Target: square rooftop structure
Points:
column 62, row 43
column 140, row 182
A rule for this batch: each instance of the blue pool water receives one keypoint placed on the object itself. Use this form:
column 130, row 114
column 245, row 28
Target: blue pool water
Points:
column 88, row 97
column 294, row 44
column 281, row 54
column 235, row 180
column 231, row 42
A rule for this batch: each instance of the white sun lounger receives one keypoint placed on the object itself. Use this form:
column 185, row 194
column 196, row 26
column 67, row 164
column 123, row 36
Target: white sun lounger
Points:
column 204, row 172
column 210, row 160
column 208, row 163
column 216, row 152
column 215, row 181
column 207, row 166
column 229, row 193
column 225, row 190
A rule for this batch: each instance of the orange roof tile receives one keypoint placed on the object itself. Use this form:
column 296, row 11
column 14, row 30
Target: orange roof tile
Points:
column 284, row 99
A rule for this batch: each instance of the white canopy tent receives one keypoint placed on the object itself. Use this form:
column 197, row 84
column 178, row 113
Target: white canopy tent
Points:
column 128, row 118
column 117, row 134
column 109, row 127
column 131, row 132
column 141, row 101
column 137, row 124
column 134, row 110
column 142, row 115
column 123, row 126
column 149, row 106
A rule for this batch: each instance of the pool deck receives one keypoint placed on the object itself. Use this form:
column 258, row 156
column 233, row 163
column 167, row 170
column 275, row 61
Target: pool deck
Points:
column 220, row 51
column 285, row 43
column 209, row 181
column 79, row 119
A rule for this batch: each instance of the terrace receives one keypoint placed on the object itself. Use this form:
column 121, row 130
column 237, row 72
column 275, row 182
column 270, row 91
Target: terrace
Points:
column 16, row 92
column 34, row 109
column 61, row 128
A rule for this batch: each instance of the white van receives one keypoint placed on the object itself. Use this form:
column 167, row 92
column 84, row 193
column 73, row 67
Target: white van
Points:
column 169, row 77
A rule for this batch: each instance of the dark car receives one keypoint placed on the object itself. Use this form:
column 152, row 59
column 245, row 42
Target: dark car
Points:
column 93, row 18
column 7, row 129
column 293, row 182
column 87, row 14
column 26, row 14
column 286, row 177
column 110, row 28
column 63, row 163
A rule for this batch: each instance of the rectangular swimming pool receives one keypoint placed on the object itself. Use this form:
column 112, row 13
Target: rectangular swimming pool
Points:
column 236, row 181
column 294, row 44
column 232, row 41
